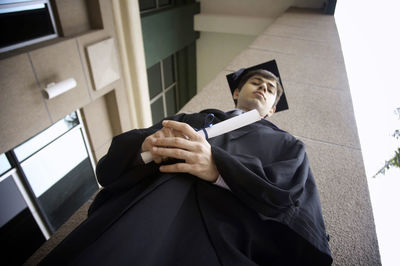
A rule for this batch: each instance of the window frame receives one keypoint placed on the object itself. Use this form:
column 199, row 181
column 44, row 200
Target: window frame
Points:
column 24, row 186
column 22, row 3
column 174, row 85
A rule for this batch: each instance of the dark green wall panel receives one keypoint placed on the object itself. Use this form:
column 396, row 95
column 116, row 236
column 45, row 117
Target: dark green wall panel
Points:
column 167, row 32
column 186, row 74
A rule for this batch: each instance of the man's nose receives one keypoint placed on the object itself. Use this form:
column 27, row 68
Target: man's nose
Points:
column 263, row 87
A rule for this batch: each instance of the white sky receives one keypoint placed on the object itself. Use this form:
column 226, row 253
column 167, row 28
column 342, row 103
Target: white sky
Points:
column 369, row 33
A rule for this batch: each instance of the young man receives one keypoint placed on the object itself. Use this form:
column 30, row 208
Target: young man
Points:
column 170, row 212
column 257, row 89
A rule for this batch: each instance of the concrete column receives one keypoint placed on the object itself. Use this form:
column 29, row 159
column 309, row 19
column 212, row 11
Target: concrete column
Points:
column 129, row 32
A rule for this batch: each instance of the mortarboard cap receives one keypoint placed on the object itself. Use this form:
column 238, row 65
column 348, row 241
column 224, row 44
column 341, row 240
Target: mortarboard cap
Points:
column 271, row 66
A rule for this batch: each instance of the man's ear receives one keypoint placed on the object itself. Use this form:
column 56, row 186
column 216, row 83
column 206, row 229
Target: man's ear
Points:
column 271, row 111
column 236, row 94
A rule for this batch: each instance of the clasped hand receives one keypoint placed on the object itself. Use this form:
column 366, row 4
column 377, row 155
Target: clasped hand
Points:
column 180, row 141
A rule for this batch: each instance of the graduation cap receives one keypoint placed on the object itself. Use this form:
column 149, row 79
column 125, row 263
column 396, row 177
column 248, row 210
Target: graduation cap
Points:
column 271, row 66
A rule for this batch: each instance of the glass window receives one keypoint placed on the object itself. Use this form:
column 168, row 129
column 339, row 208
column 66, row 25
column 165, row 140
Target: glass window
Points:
column 164, row 2
column 61, row 177
column 157, row 110
column 163, row 100
column 4, row 164
column 154, row 80
column 153, row 5
column 36, row 18
column 168, row 69
column 52, row 163
column 66, row 196
column 20, row 234
column 170, row 99
column 11, row 200
column 147, row 4
column 34, row 144
column 58, row 169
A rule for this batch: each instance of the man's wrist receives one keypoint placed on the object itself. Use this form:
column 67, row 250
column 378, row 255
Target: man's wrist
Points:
column 217, row 179
column 221, row 183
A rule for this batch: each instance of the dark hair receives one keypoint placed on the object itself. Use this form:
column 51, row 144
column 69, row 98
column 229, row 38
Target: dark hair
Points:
column 265, row 74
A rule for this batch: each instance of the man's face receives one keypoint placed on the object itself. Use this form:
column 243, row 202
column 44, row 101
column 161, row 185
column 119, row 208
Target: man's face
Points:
column 257, row 93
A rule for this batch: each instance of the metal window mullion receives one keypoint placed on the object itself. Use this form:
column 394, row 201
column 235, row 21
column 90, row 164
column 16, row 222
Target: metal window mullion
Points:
column 31, row 206
column 153, row 10
column 53, row 21
column 36, row 40
column 176, row 81
column 87, row 146
column 157, row 8
column 14, row 175
column 48, row 144
column 6, row 174
column 170, row 87
column 29, row 196
column 155, row 98
column 163, row 89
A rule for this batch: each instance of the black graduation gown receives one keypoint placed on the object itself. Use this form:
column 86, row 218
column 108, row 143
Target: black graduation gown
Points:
column 271, row 216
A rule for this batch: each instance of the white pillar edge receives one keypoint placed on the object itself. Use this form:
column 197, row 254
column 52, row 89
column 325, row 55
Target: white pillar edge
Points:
column 221, row 23
column 129, row 32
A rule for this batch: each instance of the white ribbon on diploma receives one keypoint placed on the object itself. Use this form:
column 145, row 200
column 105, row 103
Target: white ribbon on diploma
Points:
column 220, row 128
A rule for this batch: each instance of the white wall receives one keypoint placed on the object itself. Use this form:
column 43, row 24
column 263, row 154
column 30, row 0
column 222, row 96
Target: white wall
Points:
column 244, row 25
column 254, row 8
column 229, row 26
column 215, row 51
column 226, row 28
column 309, row 3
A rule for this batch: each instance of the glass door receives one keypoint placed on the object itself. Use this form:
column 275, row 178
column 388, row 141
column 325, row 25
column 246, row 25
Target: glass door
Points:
column 43, row 182
column 58, row 170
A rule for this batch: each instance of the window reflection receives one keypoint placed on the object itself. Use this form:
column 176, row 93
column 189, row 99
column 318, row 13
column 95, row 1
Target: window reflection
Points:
column 163, row 88
column 154, row 80
column 34, row 144
column 4, row 164
column 169, row 71
column 20, row 234
column 53, row 162
column 170, row 99
column 11, row 201
column 58, row 169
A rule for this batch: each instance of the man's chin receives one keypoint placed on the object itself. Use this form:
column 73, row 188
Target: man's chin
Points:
column 259, row 110
column 251, row 105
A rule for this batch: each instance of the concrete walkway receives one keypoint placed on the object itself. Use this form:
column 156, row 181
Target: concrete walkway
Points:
column 307, row 49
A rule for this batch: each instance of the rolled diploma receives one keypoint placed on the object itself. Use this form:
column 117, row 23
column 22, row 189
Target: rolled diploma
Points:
column 220, row 128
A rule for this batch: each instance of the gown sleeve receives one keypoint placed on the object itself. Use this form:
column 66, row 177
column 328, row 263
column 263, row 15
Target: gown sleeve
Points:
column 124, row 155
column 122, row 168
column 272, row 187
column 278, row 185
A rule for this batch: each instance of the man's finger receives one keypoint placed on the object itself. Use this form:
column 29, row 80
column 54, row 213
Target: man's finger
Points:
column 167, row 132
column 176, row 168
column 158, row 134
column 182, row 127
column 172, row 153
column 180, row 143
